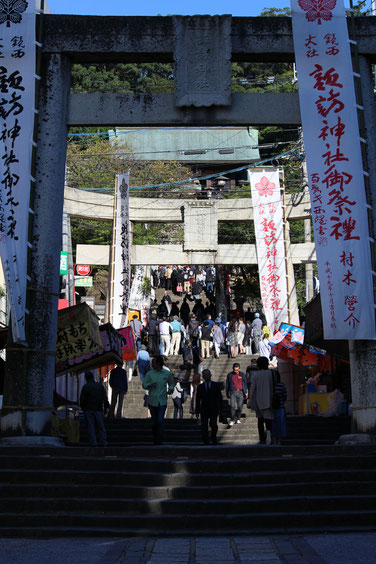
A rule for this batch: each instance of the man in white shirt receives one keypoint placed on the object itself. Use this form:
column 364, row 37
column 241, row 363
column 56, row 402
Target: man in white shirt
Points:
column 165, row 330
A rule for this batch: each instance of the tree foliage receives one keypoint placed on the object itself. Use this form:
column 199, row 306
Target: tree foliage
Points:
column 120, row 77
column 96, row 165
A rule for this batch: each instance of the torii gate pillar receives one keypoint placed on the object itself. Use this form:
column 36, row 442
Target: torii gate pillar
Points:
column 28, row 394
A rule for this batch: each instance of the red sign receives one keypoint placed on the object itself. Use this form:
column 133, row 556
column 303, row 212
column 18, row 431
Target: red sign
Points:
column 83, row 269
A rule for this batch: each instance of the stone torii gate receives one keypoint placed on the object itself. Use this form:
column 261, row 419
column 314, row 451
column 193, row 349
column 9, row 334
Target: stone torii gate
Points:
column 202, row 48
column 199, row 219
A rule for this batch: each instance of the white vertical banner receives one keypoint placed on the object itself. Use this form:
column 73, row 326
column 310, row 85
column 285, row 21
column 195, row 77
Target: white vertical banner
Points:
column 136, row 300
column 270, row 244
column 335, row 168
column 17, row 96
column 121, row 254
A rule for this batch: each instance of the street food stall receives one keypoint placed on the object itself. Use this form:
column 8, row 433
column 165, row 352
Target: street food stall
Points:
column 288, row 345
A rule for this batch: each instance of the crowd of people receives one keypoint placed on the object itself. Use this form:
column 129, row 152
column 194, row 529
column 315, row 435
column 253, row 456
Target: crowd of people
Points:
column 260, row 387
column 181, row 334
column 193, row 331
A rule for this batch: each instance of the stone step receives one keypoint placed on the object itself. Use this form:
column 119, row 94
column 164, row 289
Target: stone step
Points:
column 107, row 478
column 138, row 490
column 119, row 525
column 186, row 464
column 63, row 489
column 201, row 507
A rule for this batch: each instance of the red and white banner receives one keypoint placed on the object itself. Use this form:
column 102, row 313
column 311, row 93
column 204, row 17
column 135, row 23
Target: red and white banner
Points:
column 268, row 219
column 17, row 86
column 121, row 254
column 335, row 169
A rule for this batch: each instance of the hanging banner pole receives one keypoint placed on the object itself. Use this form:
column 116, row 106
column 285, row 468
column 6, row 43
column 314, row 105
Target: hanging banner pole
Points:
column 335, row 169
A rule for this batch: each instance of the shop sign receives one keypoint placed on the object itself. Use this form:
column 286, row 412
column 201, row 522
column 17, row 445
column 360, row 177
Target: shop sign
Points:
column 63, row 262
column 83, row 281
column 83, row 269
column 77, row 335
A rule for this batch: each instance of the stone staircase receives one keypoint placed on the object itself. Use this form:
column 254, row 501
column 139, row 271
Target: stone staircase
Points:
column 135, row 428
column 185, row 431
column 186, row 490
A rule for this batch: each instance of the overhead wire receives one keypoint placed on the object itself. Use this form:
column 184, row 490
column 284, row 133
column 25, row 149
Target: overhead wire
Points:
column 209, row 176
column 182, row 151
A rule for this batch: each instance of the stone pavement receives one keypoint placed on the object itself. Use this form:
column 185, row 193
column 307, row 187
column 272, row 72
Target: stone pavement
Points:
column 341, row 548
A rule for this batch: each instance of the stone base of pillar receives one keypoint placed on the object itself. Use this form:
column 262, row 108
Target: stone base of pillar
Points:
column 356, row 439
column 25, row 422
column 31, row 441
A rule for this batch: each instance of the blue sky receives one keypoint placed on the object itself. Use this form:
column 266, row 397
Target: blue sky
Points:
column 163, row 7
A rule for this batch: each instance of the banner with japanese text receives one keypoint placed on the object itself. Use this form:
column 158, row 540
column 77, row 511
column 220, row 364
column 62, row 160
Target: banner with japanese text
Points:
column 121, row 254
column 17, row 86
column 77, row 336
column 270, row 244
column 335, row 169
column 136, row 299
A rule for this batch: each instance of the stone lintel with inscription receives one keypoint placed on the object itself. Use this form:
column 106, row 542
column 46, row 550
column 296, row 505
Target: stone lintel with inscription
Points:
column 200, row 226
column 202, row 55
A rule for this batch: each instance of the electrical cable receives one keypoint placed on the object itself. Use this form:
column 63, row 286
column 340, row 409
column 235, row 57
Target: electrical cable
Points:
column 209, row 176
column 182, row 151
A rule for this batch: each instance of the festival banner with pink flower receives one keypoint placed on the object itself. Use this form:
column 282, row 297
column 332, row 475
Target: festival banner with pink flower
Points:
column 270, row 245
column 17, row 85
column 335, row 168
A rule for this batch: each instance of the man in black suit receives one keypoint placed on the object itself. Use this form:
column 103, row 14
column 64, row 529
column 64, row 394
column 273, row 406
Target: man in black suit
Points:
column 209, row 404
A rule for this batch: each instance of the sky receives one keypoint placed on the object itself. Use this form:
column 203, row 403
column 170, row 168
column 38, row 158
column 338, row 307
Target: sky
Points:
column 164, row 7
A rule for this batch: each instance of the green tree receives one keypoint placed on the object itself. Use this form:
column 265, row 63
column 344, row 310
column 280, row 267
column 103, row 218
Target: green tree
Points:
column 120, row 77
column 90, row 232
column 96, row 165
column 273, row 12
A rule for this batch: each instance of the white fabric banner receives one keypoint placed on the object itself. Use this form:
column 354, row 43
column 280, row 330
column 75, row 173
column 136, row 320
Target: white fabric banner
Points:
column 136, row 300
column 335, row 169
column 270, row 246
column 17, row 87
column 121, row 254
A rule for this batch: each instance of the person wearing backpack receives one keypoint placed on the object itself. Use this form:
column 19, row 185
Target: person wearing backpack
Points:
column 193, row 328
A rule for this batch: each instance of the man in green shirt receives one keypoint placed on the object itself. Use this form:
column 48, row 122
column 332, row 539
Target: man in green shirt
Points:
column 158, row 381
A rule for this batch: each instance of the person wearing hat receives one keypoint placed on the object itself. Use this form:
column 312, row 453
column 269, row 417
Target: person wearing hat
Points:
column 179, row 396
column 256, row 327
column 209, row 404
